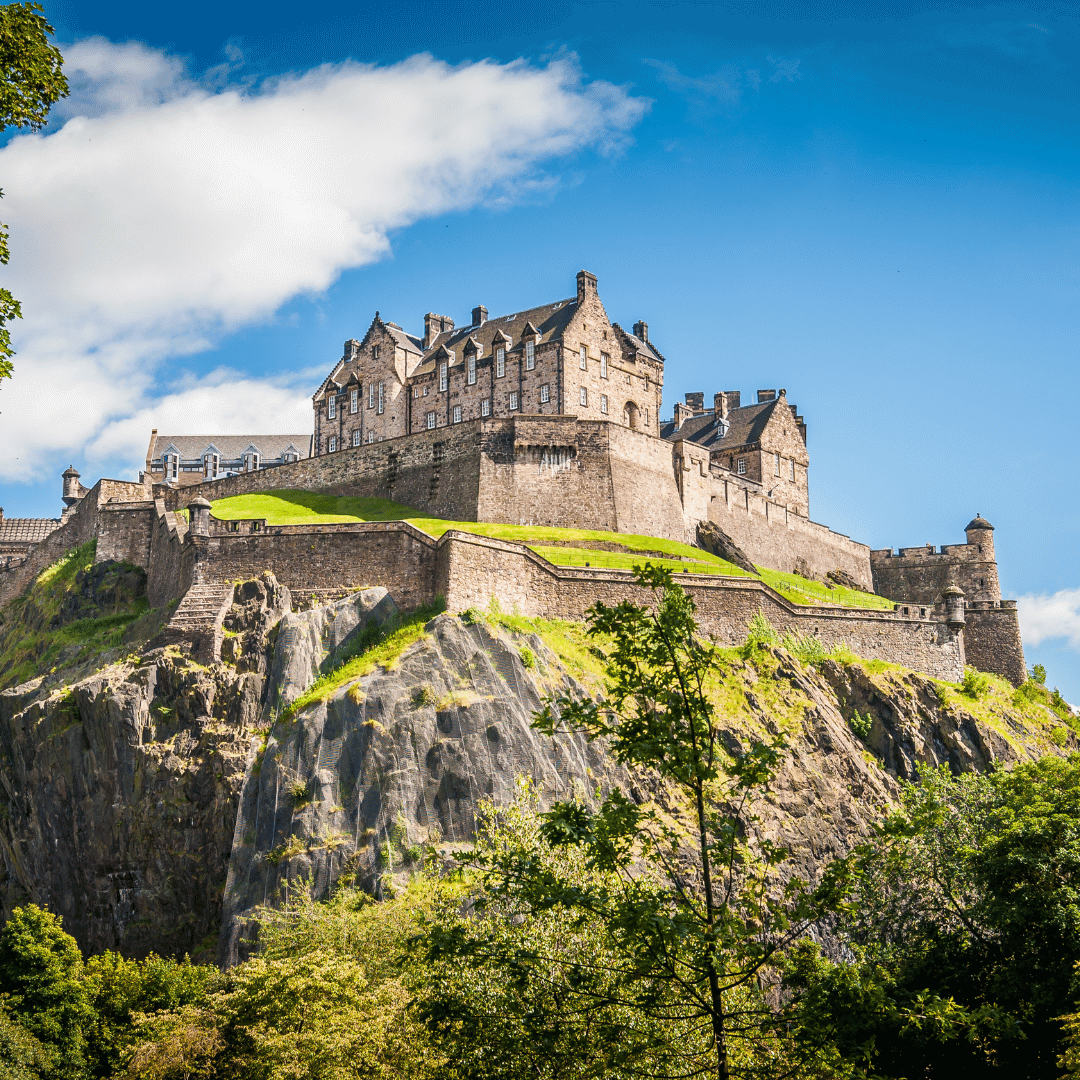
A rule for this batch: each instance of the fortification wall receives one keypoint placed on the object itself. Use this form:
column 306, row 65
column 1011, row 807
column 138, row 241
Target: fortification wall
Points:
column 124, row 532
column 80, row 527
column 473, row 569
column 172, row 562
column 643, row 484
column 918, row 575
column 992, row 639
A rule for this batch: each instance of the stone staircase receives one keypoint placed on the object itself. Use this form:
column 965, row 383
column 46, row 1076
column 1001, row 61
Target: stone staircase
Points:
column 198, row 618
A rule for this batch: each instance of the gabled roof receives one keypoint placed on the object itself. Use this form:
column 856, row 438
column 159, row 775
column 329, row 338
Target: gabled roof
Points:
column 646, row 348
column 404, row 339
column 745, row 425
column 26, row 530
column 229, row 447
column 548, row 320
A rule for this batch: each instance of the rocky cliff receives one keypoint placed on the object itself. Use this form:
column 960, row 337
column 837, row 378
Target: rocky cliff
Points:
column 153, row 801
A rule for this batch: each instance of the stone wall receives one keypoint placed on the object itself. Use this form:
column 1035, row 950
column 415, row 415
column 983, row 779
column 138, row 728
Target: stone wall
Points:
column 992, row 639
column 124, row 531
column 919, row 574
column 172, row 562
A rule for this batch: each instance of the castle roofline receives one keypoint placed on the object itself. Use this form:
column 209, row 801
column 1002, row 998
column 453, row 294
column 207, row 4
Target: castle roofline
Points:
column 978, row 522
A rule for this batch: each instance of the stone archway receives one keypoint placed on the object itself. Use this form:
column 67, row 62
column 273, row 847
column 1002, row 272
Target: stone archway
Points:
column 630, row 415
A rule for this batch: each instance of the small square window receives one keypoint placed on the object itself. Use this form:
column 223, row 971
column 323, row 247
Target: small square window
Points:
column 513, row 400
column 354, row 400
column 603, row 365
column 431, row 420
column 741, row 466
column 425, row 391
column 356, row 437
column 530, row 355
column 584, row 359
column 500, row 363
column 545, row 394
column 584, row 395
column 331, row 407
column 485, row 407
column 442, row 377
column 333, row 444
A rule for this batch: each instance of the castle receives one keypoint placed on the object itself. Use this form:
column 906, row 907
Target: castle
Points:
column 549, row 416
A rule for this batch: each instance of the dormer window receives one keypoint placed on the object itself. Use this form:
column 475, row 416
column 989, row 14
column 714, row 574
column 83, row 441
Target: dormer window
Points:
column 331, row 406
column 210, row 466
column 530, row 355
column 500, row 363
column 170, row 466
column 251, row 461
column 472, row 369
column 442, row 376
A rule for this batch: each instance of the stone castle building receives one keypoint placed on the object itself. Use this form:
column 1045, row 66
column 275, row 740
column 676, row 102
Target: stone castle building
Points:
column 548, row 416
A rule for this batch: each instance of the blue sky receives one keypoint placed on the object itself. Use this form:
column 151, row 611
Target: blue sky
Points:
column 873, row 206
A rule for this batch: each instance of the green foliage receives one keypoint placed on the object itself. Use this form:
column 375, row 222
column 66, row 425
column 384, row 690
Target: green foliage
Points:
column 423, row 697
column 298, row 792
column 1035, row 691
column 1038, row 674
column 974, row 683
column 528, row 657
column 807, row 647
column 687, row 917
column 31, row 82
column 22, row 1057
column 861, row 725
column 760, row 631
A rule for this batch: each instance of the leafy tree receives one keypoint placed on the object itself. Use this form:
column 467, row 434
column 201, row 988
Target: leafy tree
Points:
column 22, row 1057
column 694, row 920
column 974, row 899
column 42, row 980
column 31, row 82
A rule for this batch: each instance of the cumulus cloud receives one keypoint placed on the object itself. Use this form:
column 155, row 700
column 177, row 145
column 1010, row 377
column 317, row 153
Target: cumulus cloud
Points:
column 1045, row 616
column 164, row 213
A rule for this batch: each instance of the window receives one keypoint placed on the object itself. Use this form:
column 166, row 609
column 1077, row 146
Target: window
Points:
column 472, row 369
column 251, row 462
column 513, row 400
column 371, row 436
column 442, row 377
column 603, row 403
column 333, row 444
column 646, row 412
column 530, row 355
column 777, row 456
column 331, row 407
column 380, row 408
column 603, row 365
column 646, row 382
column 545, row 394
column 457, row 414
column 425, row 391
column 792, row 464
column 584, row 396
column 741, row 466
column 500, row 363
column 627, row 380
column 371, row 396
column 431, row 419
column 485, row 407
column 354, row 400
column 374, row 352
column 170, row 466
column 584, row 359
column 356, row 437
column 210, row 466
column 416, row 392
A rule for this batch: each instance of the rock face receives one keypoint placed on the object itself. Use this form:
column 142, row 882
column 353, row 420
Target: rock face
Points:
column 714, row 540
column 360, row 784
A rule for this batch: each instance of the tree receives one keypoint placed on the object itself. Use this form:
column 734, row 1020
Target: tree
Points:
column 31, row 82
column 694, row 919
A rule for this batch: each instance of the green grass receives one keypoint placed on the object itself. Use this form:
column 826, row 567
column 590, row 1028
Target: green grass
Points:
column 289, row 507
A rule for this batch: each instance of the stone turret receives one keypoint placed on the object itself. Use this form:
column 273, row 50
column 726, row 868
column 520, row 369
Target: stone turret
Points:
column 954, row 607
column 980, row 534
column 72, row 487
column 199, row 509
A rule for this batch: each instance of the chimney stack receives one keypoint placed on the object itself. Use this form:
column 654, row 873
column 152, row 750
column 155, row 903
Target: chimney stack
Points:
column 696, row 403
column 766, row 395
column 434, row 325
column 479, row 315
column 641, row 331
column 720, row 405
column 586, row 285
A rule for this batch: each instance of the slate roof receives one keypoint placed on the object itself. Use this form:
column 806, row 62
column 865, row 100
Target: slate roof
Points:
column 745, row 426
column 26, row 530
column 645, row 347
column 403, row 338
column 230, row 447
column 549, row 320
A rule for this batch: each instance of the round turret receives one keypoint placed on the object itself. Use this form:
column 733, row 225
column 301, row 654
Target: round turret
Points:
column 954, row 606
column 71, row 486
column 980, row 535
column 199, row 509
column 978, row 522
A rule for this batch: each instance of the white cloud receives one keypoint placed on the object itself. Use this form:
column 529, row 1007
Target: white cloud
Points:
column 1050, row 616
column 162, row 214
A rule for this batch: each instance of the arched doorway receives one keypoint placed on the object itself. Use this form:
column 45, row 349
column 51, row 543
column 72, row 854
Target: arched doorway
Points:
column 630, row 415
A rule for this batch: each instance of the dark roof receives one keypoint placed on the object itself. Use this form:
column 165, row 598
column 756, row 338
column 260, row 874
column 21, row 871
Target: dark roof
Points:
column 404, row 339
column 549, row 320
column 978, row 522
column 745, row 425
column 230, row 447
column 26, row 530
column 642, row 346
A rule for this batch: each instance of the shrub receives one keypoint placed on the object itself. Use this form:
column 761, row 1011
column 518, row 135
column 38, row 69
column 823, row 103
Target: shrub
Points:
column 472, row 616
column 528, row 658
column 423, row 696
column 808, row 648
column 1038, row 674
column 861, row 725
column 761, row 632
column 299, row 792
column 975, row 683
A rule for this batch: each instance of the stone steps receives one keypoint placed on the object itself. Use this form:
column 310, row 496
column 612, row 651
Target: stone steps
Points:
column 198, row 619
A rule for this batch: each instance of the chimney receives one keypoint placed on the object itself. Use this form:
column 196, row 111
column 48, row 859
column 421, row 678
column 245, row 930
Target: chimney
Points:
column 766, row 395
column 720, row 405
column 352, row 346
column 479, row 315
column 586, row 285
column 1, row 513
column 434, row 325
column 696, row 403
column 641, row 330
column 682, row 414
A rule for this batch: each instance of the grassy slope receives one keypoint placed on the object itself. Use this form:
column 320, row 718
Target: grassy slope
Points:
column 290, row 507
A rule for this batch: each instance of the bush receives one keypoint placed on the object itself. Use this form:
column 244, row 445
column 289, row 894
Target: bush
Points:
column 528, row 658
column 423, row 696
column 808, row 648
column 1038, row 674
column 760, row 631
column 861, row 725
column 472, row 616
column 975, row 683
